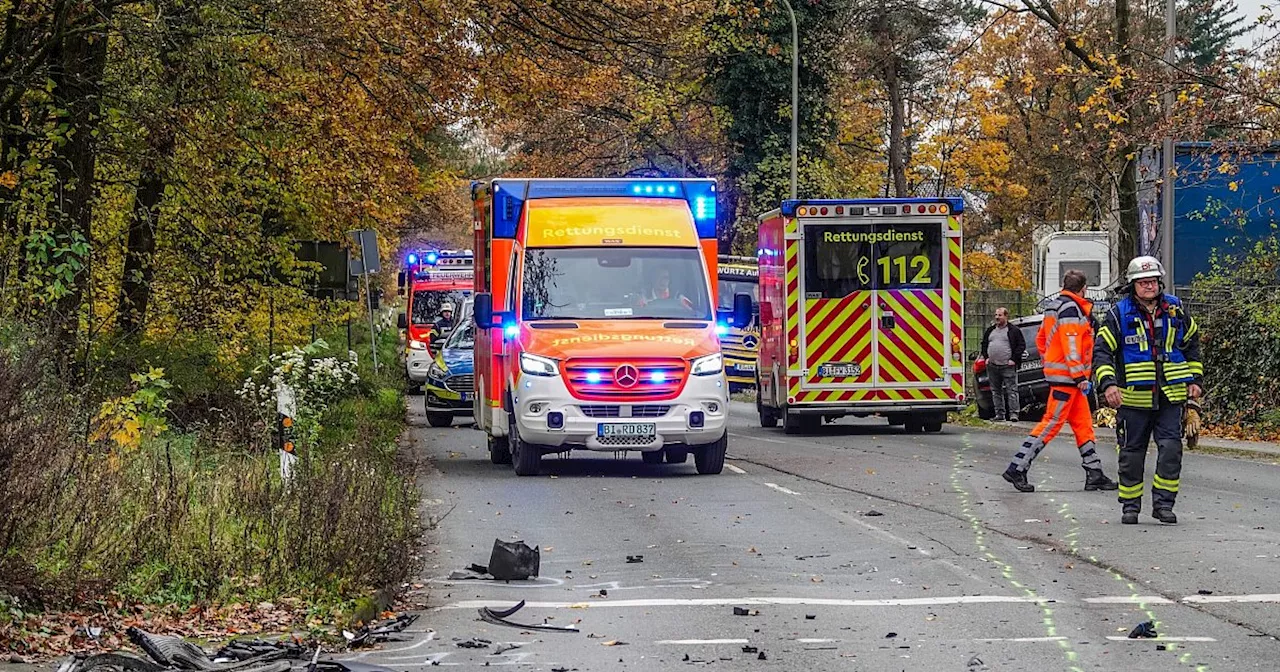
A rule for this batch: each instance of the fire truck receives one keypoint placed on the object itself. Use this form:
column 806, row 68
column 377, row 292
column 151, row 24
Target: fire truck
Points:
column 597, row 322
column 861, row 307
column 738, row 275
column 434, row 278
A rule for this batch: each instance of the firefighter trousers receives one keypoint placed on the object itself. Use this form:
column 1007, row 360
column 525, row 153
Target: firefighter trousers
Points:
column 1135, row 427
column 1067, row 405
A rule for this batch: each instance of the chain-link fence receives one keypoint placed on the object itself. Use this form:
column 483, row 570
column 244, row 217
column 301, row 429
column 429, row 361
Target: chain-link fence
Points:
column 980, row 311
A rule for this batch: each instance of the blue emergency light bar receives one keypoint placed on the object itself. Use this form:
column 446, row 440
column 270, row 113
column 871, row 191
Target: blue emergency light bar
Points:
column 956, row 205
column 509, row 197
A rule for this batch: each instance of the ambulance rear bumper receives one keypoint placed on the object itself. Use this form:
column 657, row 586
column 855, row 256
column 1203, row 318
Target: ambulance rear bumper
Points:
column 871, row 408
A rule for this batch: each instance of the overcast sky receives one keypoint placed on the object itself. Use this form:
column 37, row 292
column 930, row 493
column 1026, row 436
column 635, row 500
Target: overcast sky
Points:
column 1251, row 10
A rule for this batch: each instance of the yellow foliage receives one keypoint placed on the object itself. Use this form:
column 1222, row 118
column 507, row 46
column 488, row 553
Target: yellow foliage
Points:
column 986, row 271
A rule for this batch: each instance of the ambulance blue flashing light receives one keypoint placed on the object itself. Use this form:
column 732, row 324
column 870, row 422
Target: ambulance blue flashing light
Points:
column 511, row 330
column 721, row 329
column 413, row 259
column 509, row 197
column 956, row 205
column 432, row 257
column 593, row 376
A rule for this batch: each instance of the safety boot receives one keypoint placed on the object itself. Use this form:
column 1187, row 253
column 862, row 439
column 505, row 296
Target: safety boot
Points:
column 1165, row 516
column 1129, row 517
column 1096, row 480
column 1018, row 479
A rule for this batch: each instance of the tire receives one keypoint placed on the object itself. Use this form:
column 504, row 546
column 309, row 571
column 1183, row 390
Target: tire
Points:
column 768, row 416
column 913, row 426
column 677, row 455
column 933, row 426
column 499, row 450
column 790, row 422
column 526, row 458
column 988, row 410
column 652, row 456
column 710, row 458
column 436, row 419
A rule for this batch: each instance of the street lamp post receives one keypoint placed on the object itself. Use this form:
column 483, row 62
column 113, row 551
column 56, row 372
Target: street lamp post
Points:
column 795, row 96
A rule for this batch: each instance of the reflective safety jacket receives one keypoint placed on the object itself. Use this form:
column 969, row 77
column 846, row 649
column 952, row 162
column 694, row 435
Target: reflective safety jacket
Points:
column 1142, row 352
column 1065, row 340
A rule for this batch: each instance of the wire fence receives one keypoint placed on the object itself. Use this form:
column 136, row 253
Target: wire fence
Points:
column 980, row 311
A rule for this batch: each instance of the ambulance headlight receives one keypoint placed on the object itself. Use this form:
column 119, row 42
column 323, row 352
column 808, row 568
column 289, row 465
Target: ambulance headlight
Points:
column 536, row 365
column 707, row 366
column 417, row 345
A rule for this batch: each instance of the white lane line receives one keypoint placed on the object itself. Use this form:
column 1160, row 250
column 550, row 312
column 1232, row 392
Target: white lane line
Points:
column 1230, row 598
column 816, row 641
column 701, row 641
column 1129, row 599
column 759, row 438
column 1022, row 639
column 736, row 470
column 1119, row 638
column 781, row 489
column 755, row 601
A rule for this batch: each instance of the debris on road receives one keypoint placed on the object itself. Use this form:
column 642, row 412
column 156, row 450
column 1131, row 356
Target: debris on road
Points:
column 746, row 648
column 373, row 634
column 474, row 643
column 633, row 559
column 976, row 662
column 743, row 611
column 500, row 618
column 761, row 656
column 1161, row 647
column 1145, row 629
column 513, row 561
column 810, row 617
column 613, row 642
column 503, row 648
column 1204, row 592
column 872, row 513
column 891, row 635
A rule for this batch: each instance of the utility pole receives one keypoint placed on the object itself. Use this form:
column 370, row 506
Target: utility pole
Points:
column 795, row 96
column 1166, row 153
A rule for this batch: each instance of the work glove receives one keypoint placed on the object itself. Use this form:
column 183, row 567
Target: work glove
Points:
column 1191, row 424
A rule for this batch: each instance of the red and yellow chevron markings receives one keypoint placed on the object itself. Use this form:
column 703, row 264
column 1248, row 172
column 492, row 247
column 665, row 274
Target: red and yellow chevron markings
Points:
column 913, row 351
column 838, row 330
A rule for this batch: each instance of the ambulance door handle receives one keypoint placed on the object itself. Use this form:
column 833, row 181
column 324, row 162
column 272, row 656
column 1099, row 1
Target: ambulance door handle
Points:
column 887, row 320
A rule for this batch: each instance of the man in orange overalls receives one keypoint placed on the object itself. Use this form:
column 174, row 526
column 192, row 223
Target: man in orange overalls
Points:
column 1065, row 342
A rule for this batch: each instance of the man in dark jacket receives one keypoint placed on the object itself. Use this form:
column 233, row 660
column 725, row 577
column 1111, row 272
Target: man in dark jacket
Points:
column 1004, row 348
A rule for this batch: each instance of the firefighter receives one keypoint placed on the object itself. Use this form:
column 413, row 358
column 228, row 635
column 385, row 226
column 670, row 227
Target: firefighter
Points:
column 1065, row 341
column 445, row 321
column 1148, row 355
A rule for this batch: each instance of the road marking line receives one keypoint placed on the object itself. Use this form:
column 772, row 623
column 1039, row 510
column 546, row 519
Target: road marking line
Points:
column 759, row 438
column 734, row 469
column 1119, row 638
column 1022, row 639
column 781, row 489
column 755, row 601
column 701, row 641
column 1129, row 599
column 816, row 641
column 1231, row 598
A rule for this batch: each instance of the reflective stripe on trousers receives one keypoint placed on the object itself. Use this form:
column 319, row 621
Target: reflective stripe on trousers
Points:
column 1067, row 405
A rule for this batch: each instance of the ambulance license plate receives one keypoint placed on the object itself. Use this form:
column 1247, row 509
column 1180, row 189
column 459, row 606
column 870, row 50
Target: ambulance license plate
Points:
column 605, row 430
column 840, row 370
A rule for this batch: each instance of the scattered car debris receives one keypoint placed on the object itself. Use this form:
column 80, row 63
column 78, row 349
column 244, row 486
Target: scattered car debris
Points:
column 872, row 513
column 810, row 617
column 503, row 648
column 1204, row 592
column 613, row 642
column 976, row 662
column 750, row 649
column 634, row 559
column 176, row 652
column 244, row 649
column 474, row 643
column 743, row 611
column 891, row 635
column 500, row 618
column 1161, row 647
column 513, row 561
column 1145, row 630
column 374, row 633
column 761, row 656
column 812, row 557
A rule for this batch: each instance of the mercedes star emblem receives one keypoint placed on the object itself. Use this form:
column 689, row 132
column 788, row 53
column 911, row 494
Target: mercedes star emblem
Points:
column 626, row 376
column 749, row 342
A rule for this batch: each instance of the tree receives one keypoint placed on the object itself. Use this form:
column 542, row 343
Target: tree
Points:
column 1206, row 31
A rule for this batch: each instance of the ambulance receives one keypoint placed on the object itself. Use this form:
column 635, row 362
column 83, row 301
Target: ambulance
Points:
column 861, row 307
column 597, row 322
column 738, row 275
column 434, row 278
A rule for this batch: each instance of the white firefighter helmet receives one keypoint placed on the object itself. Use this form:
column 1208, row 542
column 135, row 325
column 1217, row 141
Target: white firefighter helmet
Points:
column 1144, row 267
column 446, row 308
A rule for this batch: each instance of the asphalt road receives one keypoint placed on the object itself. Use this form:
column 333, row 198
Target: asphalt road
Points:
column 957, row 572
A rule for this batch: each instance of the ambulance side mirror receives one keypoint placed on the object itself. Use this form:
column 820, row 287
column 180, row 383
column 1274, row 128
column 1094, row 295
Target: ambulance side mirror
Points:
column 742, row 310
column 483, row 310
column 400, row 279
column 402, row 321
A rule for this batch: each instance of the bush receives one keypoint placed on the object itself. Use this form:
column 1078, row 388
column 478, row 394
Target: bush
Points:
column 1238, row 308
column 195, row 513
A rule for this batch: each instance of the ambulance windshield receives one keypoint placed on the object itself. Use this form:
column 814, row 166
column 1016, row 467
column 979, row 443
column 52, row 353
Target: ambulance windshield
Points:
column 615, row 283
